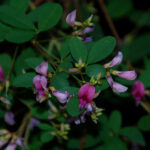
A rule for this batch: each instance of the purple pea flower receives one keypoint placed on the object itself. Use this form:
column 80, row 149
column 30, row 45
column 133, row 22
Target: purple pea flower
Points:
column 20, row 142
column 11, row 147
column 62, row 97
column 2, row 143
column 87, row 39
column 86, row 94
column 1, row 74
column 42, row 68
column 116, row 87
column 70, row 19
column 9, row 118
column 138, row 91
column 40, row 82
column 115, row 61
column 128, row 75
column 34, row 123
column 88, row 30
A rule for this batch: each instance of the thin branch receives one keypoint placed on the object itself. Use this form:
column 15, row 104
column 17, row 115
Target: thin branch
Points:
column 109, row 21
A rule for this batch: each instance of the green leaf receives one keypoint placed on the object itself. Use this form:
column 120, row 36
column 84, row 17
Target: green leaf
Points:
column 45, row 126
column 133, row 134
column 138, row 48
column 73, row 106
column 144, row 123
column 78, row 49
column 5, row 66
column 49, row 16
column 118, row 9
column 3, row 30
column 140, row 18
column 59, row 82
column 40, row 115
column 73, row 143
column 115, row 121
column 22, row 5
column 104, row 85
column 46, row 137
column 33, row 62
column 24, row 80
column 19, row 36
column 13, row 17
column 64, row 51
column 95, row 70
column 145, row 78
column 101, row 49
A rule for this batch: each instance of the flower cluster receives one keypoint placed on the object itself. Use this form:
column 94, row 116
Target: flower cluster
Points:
column 85, row 27
column 128, row 75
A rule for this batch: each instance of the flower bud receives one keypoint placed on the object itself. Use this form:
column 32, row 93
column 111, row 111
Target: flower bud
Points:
column 42, row 68
column 70, row 19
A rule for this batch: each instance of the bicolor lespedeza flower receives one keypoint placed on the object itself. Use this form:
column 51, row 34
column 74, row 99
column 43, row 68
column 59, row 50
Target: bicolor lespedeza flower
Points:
column 9, row 118
column 87, row 39
column 71, row 17
column 40, row 82
column 86, row 94
column 116, row 87
column 128, row 75
column 88, row 29
column 42, row 68
column 115, row 61
column 1, row 74
column 33, row 123
column 62, row 97
column 138, row 91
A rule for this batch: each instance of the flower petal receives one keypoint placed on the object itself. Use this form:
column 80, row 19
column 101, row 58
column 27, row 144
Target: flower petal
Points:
column 9, row 118
column 70, row 19
column 88, row 30
column 128, row 75
column 42, row 68
column 1, row 74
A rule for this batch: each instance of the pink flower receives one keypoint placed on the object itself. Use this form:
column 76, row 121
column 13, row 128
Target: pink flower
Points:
column 11, row 147
column 1, row 74
column 40, row 82
column 128, row 75
column 42, row 68
column 116, row 87
column 138, row 91
column 41, row 96
column 61, row 96
column 70, row 19
column 88, row 30
column 9, row 118
column 87, row 39
column 86, row 94
column 115, row 61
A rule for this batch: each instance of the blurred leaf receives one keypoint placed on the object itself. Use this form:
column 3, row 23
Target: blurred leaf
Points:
column 104, row 85
column 144, row 123
column 118, row 9
column 33, row 62
column 24, row 80
column 40, row 115
column 59, row 81
column 101, row 49
column 140, row 18
column 64, row 51
column 73, row 106
column 95, row 70
column 3, row 30
column 147, row 63
column 22, row 5
column 5, row 66
column 139, row 48
column 20, row 63
column 45, row 126
column 133, row 134
column 73, row 143
column 46, row 137
column 13, row 17
column 78, row 49
column 49, row 16
column 115, row 121
column 145, row 78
